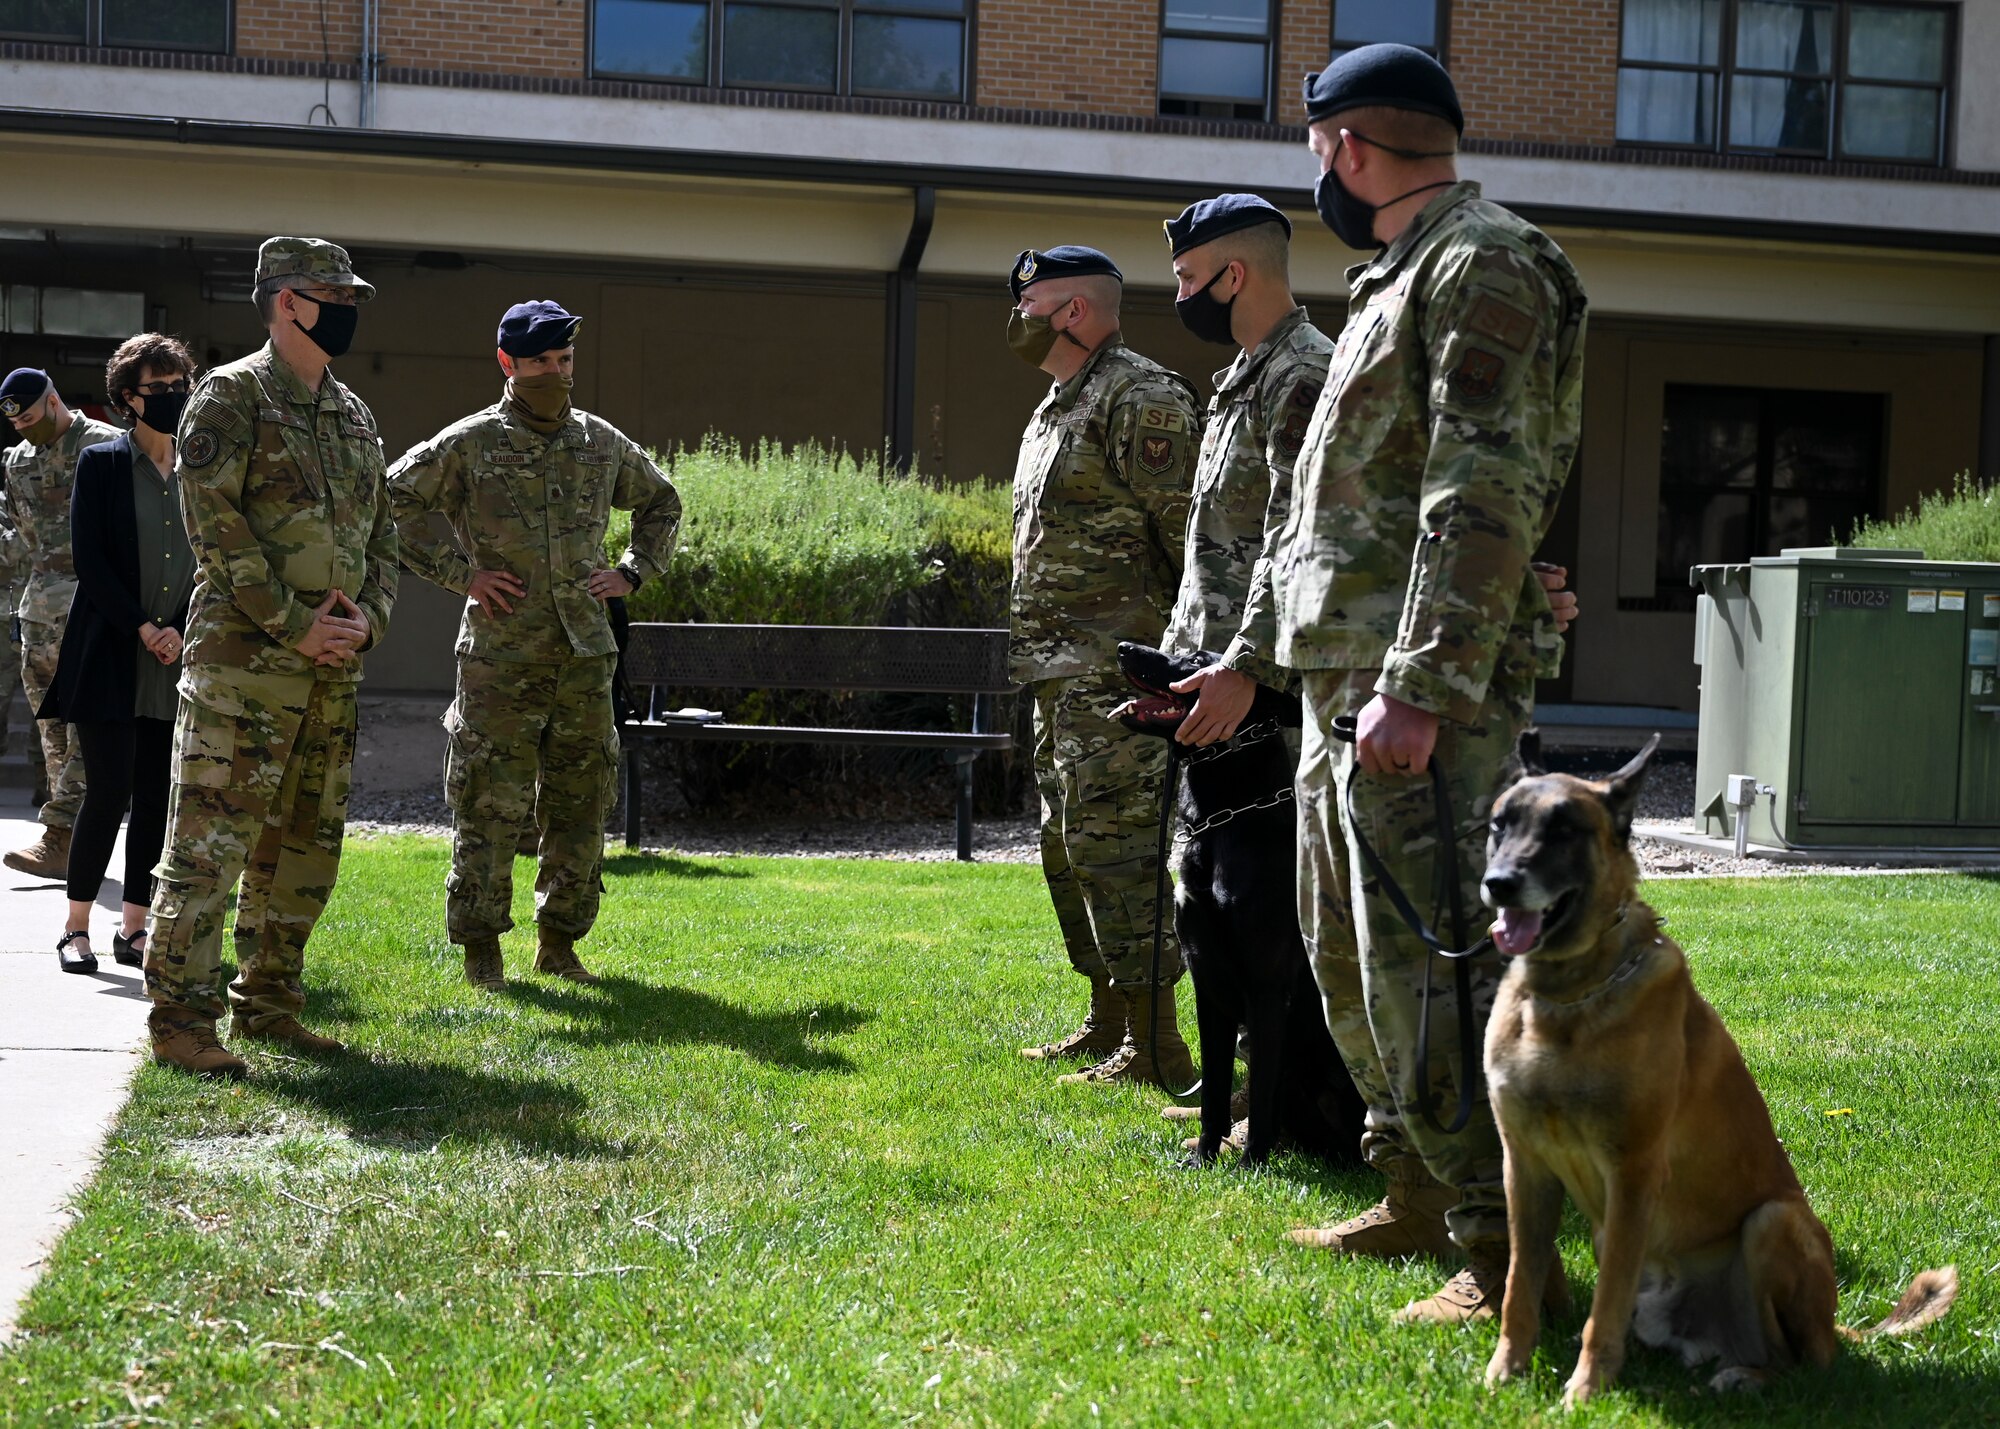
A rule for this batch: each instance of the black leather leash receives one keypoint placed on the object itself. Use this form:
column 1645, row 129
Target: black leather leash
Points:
column 1471, row 1062
column 1163, row 902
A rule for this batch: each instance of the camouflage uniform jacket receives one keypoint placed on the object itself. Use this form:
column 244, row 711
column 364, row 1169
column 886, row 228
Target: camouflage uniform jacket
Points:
column 1242, row 489
column 1434, row 462
column 535, row 507
column 34, row 524
column 1100, row 510
column 283, row 495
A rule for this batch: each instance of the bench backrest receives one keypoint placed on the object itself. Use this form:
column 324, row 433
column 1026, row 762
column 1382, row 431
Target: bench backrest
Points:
column 819, row 657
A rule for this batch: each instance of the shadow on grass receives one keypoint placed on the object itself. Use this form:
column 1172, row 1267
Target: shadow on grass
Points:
column 672, row 865
column 622, row 1010
column 405, row 1102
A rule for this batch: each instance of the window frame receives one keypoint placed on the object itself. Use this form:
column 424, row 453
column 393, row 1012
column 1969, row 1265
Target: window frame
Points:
column 1440, row 51
column 843, row 67
column 1274, row 10
column 93, row 34
column 1838, row 79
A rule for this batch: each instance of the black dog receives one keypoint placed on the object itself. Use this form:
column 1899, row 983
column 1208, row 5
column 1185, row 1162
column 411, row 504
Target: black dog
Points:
column 1237, row 916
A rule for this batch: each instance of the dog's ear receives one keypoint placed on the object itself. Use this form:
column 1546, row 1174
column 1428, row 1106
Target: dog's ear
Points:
column 1526, row 760
column 1621, row 790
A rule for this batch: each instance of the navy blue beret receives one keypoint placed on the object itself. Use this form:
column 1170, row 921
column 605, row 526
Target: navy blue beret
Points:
column 531, row 329
column 1069, row 260
column 22, row 389
column 1210, row 219
column 1391, row 76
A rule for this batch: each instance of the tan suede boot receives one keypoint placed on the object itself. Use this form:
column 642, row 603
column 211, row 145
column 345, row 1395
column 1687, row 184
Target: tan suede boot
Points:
column 192, row 1047
column 1135, row 1060
column 483, row 964
column 46, row 857
column 1239, row 1108
column 1409, row 1220
column 1103, row 1029
column 555, row 954
column 286, row 1032
column 1471, row 1295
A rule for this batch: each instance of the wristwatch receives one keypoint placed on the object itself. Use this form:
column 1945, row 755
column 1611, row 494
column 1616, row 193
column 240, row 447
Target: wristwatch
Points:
column 630, row 570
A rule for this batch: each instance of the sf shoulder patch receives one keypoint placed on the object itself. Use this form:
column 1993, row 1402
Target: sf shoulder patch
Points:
column 1156, row 454
column 200, row 448
column 1503, row 322
column 1477, row 376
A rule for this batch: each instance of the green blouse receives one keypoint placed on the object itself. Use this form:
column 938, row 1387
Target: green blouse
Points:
column 166, row 578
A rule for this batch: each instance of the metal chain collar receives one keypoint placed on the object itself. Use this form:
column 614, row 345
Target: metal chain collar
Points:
column 1243, row 739
column 1188, row 831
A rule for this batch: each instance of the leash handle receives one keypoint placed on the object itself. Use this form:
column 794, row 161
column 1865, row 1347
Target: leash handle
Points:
column 1471, row 1070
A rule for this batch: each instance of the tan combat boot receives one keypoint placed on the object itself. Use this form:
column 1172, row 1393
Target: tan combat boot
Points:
column 192, row 1047
column 1409, row 1220
column 1476, row 1292
column 1239, row 1108
column 287, row 1032
column 46, row 857
column 555, row 954
column 1103, row 1029
column 1135, row 1059
column 483, row 965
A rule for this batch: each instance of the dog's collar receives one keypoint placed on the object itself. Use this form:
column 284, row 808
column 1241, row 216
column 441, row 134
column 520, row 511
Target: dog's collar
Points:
column 1242, row 739
column 1624, row 970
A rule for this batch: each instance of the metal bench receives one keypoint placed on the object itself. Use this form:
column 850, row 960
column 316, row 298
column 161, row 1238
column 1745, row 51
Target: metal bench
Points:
column 817, row 657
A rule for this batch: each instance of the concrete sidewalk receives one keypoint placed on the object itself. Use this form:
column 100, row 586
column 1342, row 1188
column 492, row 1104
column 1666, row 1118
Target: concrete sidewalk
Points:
column 68, row 1048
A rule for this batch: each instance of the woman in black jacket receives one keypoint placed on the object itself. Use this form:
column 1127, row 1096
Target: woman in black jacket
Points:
column 121, row 650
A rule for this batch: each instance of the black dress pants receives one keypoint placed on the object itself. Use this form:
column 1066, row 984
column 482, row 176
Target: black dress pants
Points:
column 127, row 761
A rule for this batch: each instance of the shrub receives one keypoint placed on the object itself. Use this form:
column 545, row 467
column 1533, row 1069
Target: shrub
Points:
column 1962, row 524
column 808, row 536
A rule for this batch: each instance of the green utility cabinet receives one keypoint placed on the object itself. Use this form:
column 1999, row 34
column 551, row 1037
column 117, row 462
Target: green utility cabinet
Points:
column 1862, row 688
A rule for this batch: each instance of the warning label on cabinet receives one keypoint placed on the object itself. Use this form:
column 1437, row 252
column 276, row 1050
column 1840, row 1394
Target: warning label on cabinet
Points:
column 1923, row 602
column 1951, row 600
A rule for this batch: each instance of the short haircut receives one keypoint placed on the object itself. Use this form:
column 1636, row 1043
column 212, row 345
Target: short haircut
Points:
column 265, row 295
column 1263, row 248
column 166, row 355
column 1397, row 128
column 1102, row 291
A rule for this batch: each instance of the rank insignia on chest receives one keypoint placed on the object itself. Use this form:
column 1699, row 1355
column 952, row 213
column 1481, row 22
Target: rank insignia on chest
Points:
column 1156, row 454
column 200, row 447
column 1477, row 376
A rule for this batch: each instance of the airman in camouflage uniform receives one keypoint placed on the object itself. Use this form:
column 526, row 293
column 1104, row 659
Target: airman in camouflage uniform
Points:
column 281, row 479
column 528, row 486
column 1100, row 511
column 39, row 471
column 1403, row 593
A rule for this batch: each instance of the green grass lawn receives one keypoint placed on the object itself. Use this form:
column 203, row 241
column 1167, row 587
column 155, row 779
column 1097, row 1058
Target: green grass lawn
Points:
column 784, row 1167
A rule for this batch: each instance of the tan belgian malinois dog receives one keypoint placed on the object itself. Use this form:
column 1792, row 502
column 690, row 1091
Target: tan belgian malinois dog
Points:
column 1614, row 1080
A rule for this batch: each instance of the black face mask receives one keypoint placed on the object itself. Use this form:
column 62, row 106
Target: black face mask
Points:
column 1353, row 219
column 163, row 412
column 1205, row 315
column 333, row 331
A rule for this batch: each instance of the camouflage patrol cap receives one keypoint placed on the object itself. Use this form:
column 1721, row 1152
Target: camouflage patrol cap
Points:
column 313, row 260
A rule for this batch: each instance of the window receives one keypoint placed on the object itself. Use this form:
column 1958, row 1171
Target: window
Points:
column 1215, row 58
column 914, row 48
column 123, row 24
column 1748, row 472
column 1403, row 22
column 1824, row 79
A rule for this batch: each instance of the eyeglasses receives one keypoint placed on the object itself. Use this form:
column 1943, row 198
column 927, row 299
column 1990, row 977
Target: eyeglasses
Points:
column 339, row 297
column 162, row 388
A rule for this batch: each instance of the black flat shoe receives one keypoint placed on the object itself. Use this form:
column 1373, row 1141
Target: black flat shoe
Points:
column 124, row 954
column 83, row 962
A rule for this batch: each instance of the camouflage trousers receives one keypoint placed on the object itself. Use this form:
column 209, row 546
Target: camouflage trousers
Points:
column 1100, row 786
column 261, row 795
column 10, row 668
column 62, row 756
column 528, row 740
column 1369, row 965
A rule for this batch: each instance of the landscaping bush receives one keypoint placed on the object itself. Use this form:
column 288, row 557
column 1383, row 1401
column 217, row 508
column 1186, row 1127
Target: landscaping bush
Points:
column 1962, row 524
column 807, row 536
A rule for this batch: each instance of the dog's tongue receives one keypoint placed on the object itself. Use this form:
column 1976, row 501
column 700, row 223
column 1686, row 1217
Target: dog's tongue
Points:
column 1515, row 930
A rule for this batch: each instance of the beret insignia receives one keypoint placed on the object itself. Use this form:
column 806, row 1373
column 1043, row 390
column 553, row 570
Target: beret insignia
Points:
column 1026, row 272
column 10, row 407
column 200, row 448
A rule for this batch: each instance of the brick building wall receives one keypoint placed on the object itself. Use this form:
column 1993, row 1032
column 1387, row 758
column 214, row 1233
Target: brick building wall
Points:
column 1536, row 69
column 1099, row 58
column 1305, row 32
column 525, row 37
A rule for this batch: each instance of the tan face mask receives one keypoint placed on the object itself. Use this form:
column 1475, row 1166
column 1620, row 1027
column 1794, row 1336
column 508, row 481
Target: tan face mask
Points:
column 543, row 398
column 41, row 432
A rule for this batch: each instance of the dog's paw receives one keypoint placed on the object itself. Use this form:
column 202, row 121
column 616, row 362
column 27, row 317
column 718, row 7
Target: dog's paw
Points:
column 1193, row 1160
column 1737, row 1379
column 1504, row 1365
column 1583, row 1386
